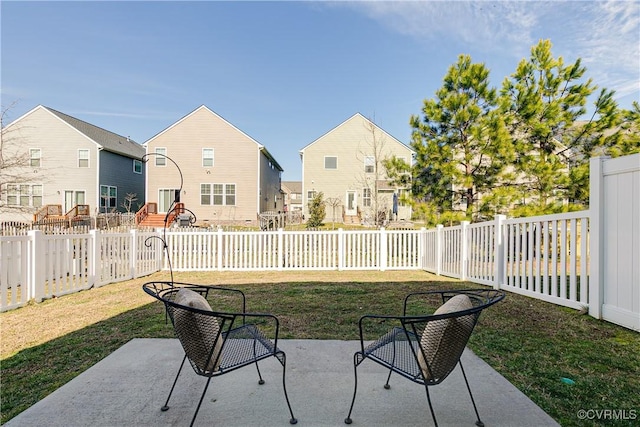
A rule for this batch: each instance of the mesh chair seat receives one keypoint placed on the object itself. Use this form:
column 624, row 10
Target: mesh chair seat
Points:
column 217, row 342
column 425, row 348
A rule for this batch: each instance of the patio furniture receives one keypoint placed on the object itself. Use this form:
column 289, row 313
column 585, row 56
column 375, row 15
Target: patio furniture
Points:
column 218, row 342
column 425, row 348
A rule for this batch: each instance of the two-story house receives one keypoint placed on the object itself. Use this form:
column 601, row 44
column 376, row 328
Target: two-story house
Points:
column 347, row 165
column 51, row 158
column 228, row 177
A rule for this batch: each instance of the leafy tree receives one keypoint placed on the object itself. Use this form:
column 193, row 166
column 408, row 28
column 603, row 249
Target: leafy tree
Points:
column 316, row 211
column 542, row 104
column 462, row 145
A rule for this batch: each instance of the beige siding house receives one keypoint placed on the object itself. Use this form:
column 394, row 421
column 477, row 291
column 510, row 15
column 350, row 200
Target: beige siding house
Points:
column 67, row 162
column 346, row 165
column 229, row 178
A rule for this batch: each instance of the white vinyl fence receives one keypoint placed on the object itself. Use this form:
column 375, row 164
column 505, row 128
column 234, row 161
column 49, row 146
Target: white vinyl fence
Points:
column 39, row 266
column 588, row 259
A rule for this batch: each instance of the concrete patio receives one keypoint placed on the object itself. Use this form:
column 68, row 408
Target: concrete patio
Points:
column 128, row 387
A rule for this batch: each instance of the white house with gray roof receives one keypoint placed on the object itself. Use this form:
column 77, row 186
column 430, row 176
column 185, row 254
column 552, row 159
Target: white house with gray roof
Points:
column 69, row 162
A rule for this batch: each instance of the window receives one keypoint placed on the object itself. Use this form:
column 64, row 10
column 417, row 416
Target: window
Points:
column 161, row 160
column 366, row 197
column 207, row 157
column 230, row 194
column 26, row 195
column 369, row 164
column 35, row 155
column 311, row 195
column 108, row 197
column 83, row 158
column 137, row 166
column 205, row 194
column 330, row 162
column 218, row 194
column 402, row 194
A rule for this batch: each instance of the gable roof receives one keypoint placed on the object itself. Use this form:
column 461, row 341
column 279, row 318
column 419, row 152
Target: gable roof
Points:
column 109, row 141
column 292, row 186
column 204, row 107
column 351, row 118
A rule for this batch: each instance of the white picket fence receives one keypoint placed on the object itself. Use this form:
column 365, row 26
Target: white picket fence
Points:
column 40, row 266
column 582, row 260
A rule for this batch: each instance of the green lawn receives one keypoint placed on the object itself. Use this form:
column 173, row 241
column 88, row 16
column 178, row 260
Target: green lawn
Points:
column 532, row 343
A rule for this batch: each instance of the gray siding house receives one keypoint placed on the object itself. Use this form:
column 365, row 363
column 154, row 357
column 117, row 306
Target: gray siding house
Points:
column 69, row 162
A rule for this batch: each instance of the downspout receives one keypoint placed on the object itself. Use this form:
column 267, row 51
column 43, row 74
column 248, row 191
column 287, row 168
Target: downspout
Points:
column 100, row 148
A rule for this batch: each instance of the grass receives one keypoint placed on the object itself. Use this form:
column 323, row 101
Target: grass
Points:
column 532, row 343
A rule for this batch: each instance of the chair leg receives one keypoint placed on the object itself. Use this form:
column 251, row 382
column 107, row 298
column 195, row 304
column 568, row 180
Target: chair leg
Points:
column 348, row 420
column 387, row 386
column 166, row 404
column 433, row 414
column 479, row 423
column 260, row 381
column 193, row 420
column 293, row 419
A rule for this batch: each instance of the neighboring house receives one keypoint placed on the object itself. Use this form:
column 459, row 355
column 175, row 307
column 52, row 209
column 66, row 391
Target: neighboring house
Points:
column 292, row 196
column 229, row 178
column 69, row 162
column 346, row 165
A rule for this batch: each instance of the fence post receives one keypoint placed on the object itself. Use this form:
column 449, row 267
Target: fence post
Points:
column 383, row 249
column 220, row 248
column 95, row 267
column 498, row 252
column 423, row 248
column 35, row 286
column 596, row 237
column 340, row 249
column 464, row 249
column 439, row 247
column 133, row 254
column 280, row 249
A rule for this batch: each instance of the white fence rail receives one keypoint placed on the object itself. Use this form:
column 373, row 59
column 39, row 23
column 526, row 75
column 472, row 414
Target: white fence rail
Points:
column 579, row 260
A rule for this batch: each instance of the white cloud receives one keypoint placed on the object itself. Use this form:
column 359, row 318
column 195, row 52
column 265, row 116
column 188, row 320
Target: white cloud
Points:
column 606, row 35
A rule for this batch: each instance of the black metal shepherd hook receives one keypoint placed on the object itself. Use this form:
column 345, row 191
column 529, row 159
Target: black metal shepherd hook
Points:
column 173, row 207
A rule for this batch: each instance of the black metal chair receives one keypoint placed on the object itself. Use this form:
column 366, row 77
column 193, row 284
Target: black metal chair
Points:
column 425, row 348
column 217, row 342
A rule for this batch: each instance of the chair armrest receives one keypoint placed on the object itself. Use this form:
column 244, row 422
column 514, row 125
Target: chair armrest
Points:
column 263, row 319
column 367, row 325
column 236, row 298
column 414, row 296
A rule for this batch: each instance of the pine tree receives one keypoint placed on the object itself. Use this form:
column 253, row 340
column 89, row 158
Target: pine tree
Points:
column 316, row 211
column 462, row 146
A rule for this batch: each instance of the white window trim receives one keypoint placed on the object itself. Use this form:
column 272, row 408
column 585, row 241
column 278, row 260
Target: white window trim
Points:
column 224, row 194
column 136, row 161
column 39, row 156
column 161, row 157
column 213, row 157
column 83, row 150
column 370, row 161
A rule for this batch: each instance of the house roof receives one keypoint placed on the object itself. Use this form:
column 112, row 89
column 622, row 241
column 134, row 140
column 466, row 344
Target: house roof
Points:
column 260, row 146
column 292, row 186
column 350, row 118
column 109, row 141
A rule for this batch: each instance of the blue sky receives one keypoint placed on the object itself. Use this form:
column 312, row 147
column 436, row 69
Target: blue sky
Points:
column 287, row 72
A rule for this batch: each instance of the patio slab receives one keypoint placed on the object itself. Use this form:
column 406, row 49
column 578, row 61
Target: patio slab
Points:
column 128, row 387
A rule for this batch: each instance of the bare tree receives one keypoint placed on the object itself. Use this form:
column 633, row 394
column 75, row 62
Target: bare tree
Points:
column 333, row 203
column 17, row 167
column 373, row 155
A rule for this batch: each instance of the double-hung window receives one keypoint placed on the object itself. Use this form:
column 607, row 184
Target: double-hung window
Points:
column 218, row 194
column 161, row 159
column 26, row 195
column 83, row 158
column 366, row 197
column 35, row 157
column 137, row 166
column 108, row 197
column 369, row 164
column 207, row 157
